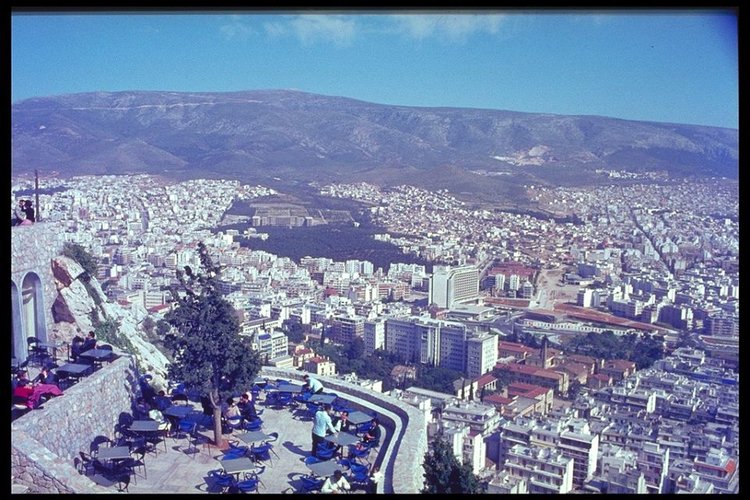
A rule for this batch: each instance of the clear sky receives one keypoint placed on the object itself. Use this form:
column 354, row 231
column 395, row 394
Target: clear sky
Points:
column 670, row 65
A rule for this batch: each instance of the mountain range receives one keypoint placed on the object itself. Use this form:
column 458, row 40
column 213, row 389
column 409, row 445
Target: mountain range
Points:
column 266, row 135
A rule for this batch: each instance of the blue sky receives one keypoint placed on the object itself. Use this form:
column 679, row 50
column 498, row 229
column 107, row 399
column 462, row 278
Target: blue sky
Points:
column 673, row 65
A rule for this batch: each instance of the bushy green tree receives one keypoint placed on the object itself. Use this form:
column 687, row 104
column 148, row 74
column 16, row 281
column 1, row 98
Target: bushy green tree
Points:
column 444, row 474
column 207, row 351
column 88, row 262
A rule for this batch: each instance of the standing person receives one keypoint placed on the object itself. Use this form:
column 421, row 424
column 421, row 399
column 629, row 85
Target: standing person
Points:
column 313, row 384
column 336, row 483
column 321, row 424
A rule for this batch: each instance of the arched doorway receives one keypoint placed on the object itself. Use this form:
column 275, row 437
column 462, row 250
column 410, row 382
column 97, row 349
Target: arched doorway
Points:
column 32, row 308
column 17, row 339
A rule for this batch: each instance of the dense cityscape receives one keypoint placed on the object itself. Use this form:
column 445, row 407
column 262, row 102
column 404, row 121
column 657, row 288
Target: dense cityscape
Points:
column 508, row 298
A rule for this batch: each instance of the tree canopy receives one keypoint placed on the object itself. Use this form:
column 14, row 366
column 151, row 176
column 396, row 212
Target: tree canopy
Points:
column 443, row 472
column 207, row 351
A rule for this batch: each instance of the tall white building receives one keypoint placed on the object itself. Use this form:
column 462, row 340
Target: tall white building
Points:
column 374, row 335
column 450, row 286
column 481, row 354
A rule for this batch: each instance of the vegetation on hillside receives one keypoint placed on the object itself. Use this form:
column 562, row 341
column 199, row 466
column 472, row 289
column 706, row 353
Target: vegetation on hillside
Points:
column 78, row 253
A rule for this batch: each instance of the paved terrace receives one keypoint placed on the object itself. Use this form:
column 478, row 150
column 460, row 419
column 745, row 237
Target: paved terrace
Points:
column 45, row 441
column 178, row 472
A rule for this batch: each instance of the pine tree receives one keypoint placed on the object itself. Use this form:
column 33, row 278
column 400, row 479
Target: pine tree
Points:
column 207, row 351
column 444, row 474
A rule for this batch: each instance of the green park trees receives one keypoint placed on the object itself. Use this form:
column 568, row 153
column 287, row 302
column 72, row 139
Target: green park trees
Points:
column 444, row 474
column 208, row 354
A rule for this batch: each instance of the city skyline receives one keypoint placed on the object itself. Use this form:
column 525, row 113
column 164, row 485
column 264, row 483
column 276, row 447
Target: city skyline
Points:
column 677, row 66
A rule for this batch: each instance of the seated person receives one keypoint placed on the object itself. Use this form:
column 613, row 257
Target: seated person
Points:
column 33, row 393
column 341, row 422
column 141, row 409
column 89, row 343
column 75, row 347
column 45, row 377
column 162, row 401
column 231, row 414
column 312, row 384
column 335, row 484
column 373, row 433
column 247, row 407
column 156, row 415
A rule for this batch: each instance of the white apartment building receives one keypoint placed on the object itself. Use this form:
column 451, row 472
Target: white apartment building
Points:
column 374, row 335
column 481, row 354
column 545, row 470
column 450, row 286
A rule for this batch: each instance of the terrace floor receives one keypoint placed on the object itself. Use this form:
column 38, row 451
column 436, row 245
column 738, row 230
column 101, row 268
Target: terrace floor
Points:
column 175, row 471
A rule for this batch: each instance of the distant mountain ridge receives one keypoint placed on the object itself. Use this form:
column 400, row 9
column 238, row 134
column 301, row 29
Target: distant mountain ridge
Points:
column 263, row 134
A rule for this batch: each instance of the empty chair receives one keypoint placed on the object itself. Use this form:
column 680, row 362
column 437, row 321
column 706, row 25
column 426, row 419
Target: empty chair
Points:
column 248, row 485
column 36, row 352
column 221, row 479
column 107, row 347
column 324, row 452
column 273, row 437
column 261, row 453
column 311, row 459
column 311, row 483
column 255, row 474
column 253, row 425
column 97, row 442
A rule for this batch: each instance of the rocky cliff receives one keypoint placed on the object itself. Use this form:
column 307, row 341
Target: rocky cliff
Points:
column 81, row 305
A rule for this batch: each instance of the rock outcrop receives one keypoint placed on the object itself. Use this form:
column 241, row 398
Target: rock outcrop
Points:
column 79, row 304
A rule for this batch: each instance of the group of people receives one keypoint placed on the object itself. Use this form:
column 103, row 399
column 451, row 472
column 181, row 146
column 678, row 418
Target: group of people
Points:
column 24, row 214
column 32, row 392
column 234, row 413
column 80, row 345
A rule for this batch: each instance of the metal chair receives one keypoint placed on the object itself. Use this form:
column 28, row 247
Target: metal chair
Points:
column 221, row 479
column 36, row 352
column 261, row 453
column 248, row 485
column 274, row 437
column 311, row 483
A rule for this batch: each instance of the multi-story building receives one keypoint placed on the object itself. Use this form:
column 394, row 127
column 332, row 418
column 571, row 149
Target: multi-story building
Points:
column 373, row 335
column 545, row 470
column 347, row 328
column 653, row 461
column 450, row 286
column 481, row 354
column 271, row 344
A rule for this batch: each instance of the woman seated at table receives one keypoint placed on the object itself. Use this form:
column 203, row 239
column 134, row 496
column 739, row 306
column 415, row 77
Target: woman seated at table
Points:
column 231, row 414
column 335, row 484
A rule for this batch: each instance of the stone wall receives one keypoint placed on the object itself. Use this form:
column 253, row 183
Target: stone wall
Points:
column 32, row 248
column 45, row 441
column 403, row 449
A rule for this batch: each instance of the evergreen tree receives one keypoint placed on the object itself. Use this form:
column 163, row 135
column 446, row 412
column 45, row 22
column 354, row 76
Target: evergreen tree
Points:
column 207, row 351
column 444, row 474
